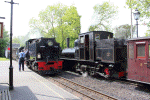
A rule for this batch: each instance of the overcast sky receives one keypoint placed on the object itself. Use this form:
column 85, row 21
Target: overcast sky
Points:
column 27, row 9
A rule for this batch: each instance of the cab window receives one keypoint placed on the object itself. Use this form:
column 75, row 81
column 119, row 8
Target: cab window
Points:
column 81, row 39
column 97, row 36
column 141, row 51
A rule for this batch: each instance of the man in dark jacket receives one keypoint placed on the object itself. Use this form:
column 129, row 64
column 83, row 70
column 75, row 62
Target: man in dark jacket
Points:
column 21, row 60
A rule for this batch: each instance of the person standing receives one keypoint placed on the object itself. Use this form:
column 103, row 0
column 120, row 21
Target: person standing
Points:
column 21, row 60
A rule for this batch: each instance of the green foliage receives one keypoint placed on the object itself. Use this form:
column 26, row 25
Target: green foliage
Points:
column 3, row 43
column 147, row 33
column 144, row 8
column 93, row 27
column 105, row 13
column 20, row 40
column 123, row 31
column 59, row 22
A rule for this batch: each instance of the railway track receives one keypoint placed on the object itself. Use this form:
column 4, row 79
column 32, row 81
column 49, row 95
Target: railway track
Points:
column 123, row 81
column 81, row 91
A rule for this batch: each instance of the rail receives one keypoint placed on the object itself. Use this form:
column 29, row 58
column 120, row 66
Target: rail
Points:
column 83, row 89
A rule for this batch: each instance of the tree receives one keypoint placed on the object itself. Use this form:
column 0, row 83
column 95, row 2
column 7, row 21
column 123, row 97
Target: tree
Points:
column 20, row 40
column 93, row 27
column 71, row 25
column 4, row 42
column 123, row 31
column 147, row 33
column 59, row 22
column 104, row 14
column 144, row 8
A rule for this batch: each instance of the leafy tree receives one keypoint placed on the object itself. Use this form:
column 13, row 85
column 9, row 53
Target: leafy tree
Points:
column 93, row 27
column 147, row 33
column 71, row 25
column 144, row 8
column 4, row 42
column 16, row 40
column 104, row 14
column 123, row 31
column 20, row 40
column 59, row 22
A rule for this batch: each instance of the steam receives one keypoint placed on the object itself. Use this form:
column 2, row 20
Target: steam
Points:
column 35, row 33
column 85, row 74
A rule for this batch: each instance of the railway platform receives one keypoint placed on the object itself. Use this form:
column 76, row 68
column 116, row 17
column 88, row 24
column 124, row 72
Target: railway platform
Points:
column 29, row 85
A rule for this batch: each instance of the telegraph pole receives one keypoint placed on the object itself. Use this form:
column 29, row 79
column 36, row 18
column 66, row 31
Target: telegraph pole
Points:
column 131, row 25
column 131, row 22
column 11, row 67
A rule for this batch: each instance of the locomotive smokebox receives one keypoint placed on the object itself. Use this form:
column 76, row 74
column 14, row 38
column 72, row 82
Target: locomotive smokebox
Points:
column 68, row 41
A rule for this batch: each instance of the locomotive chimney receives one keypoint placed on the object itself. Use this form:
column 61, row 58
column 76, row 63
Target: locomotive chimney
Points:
column 68, row 40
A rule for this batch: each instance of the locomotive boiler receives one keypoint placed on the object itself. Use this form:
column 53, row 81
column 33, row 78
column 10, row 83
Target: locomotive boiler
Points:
column 42, row 55
column 99, row 53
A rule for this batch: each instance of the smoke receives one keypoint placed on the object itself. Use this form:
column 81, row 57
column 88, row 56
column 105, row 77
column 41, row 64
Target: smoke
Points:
column 85, row 74
column 35, row 33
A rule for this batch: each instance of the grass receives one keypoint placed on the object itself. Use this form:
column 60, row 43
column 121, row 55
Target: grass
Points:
column 3, row 59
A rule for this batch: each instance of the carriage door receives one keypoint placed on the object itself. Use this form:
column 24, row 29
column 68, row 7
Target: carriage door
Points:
column 141, row 60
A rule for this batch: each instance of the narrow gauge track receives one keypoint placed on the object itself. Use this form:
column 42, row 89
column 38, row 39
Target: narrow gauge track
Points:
column 123, row 81
column 82, row 90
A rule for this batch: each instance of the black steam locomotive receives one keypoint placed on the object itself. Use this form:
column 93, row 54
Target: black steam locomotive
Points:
column 97, row 52
column 42, row 55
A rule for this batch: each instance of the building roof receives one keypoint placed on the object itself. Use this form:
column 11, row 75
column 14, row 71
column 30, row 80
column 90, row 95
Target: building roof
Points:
column 14, row 45
column 139, row 38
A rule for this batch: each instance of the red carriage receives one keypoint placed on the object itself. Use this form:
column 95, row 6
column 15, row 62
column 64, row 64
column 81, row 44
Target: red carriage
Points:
column 139, row 60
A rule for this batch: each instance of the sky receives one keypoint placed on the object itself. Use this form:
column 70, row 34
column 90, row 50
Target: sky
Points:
column 27, row 9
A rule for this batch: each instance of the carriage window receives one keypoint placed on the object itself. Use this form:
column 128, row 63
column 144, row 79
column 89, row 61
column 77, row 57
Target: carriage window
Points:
column 140, row 50
column 131, row 51
column 81, row 39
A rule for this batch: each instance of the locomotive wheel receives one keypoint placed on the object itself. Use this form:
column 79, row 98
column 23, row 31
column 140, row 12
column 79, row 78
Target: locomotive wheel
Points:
column 92, row 73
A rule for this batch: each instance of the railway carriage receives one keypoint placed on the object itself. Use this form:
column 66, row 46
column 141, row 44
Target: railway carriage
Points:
column 42, row 55
column 139, row 60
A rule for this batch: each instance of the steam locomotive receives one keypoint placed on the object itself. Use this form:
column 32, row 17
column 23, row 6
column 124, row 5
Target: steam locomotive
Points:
column 99, row 53
column 43, row 54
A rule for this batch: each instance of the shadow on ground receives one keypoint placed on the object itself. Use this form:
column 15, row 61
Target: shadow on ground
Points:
column 22, row 93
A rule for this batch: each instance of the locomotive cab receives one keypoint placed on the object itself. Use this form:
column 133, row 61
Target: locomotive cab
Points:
column 87, row 44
